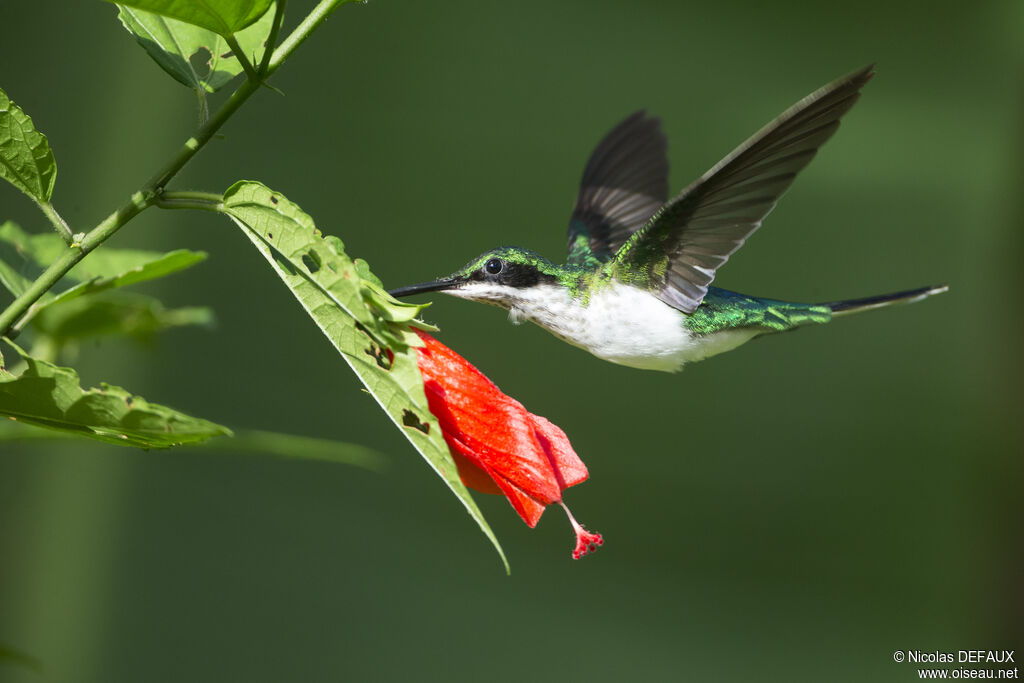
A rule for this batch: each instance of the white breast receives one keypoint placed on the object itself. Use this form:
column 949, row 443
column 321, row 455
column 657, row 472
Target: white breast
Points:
column 620, row 324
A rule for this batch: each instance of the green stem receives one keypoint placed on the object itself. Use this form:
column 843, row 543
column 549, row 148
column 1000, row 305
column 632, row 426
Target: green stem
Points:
column 75, row 253
column 204, row 108
column 275, row 29
column 56, row 221
column 203, row 201
column 242, row 58
column 317, row 16
column 197, row 141
column 148, row 194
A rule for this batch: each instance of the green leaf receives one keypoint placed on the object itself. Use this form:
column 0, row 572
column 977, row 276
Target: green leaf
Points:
column 26, row 251
column 250, row 441
column 25, row 157
column 299, row 447
column 196, row 57
column 22, row 256
column 50, row 396
column 388, row 307
column 14, row 281
column 149, row 266
column 330, row 288
column 220, row 16
column 115, row 313
column 321, row 260
column 26, row 255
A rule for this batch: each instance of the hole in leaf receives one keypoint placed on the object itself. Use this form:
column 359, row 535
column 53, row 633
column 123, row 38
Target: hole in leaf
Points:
column 270, row 235
column 311, row 260
column 200, row 61
column 384, row 357
column 411, row 419
column 273, row 199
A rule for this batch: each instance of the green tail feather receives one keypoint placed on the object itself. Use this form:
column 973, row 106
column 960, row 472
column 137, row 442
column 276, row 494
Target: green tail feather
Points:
column 724, row 310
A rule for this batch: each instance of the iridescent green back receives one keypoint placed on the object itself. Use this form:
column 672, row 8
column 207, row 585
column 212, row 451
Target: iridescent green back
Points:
column 725, row 310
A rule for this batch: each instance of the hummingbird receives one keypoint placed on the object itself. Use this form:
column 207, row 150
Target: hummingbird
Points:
column 636, row 286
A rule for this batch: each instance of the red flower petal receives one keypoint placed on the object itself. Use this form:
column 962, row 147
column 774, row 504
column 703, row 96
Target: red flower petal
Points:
column 568, row 467
column 498, row 445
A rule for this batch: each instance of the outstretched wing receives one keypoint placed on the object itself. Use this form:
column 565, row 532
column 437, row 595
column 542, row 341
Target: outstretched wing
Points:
column 677, row 253
column 624, row 183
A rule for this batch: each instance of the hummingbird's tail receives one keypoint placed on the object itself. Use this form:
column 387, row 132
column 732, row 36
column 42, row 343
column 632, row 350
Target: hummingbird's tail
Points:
column 908, row 297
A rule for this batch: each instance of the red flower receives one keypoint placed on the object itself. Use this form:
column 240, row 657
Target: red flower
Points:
column 498, row 446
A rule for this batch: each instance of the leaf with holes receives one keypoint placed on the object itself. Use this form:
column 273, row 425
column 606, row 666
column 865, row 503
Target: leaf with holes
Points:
column 290, row 231
column 328, row 286
column 25, row 157
column 196, row 57
column 223, row 17
column 50, row 396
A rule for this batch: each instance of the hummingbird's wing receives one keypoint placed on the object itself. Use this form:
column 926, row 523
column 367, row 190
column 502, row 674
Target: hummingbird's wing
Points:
column 624, row 183
column 677, row 253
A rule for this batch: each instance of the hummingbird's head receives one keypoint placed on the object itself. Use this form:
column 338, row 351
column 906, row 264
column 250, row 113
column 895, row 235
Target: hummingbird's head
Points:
column 498, row 277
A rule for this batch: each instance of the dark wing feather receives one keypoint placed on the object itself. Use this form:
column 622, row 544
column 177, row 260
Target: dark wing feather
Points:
column 624, row 183
column 683, row 245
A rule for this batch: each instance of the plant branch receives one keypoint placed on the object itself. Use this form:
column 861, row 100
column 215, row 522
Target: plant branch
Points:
column 243, row 59
column 56, row 221
column 317, row 16
column 202, row 201
column 149, row 193
column 75, row 253
column 204, row 107
column 275, row 29
column 202, row 136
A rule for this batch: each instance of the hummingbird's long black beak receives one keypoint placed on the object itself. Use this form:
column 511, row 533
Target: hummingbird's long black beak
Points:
column 423, row 287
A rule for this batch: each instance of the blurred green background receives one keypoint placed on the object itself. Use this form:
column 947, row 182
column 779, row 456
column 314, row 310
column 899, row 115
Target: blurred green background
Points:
column 795, row 510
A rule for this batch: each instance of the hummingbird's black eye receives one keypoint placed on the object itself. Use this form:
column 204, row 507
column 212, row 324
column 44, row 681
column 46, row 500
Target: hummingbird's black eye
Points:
column 494, row 266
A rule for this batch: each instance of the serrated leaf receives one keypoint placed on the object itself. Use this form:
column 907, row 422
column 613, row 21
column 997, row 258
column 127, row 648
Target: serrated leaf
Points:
column 389, row 309
column 220, row 16
column 328, row 286
column 322, row 260
column 50, row 396
column 25, row 157
column 154, row 266
column 387, row 306
column 115, row 313
column 196, row 57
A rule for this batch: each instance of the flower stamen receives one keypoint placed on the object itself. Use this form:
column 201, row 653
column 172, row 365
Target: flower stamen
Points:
column 585, row 540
